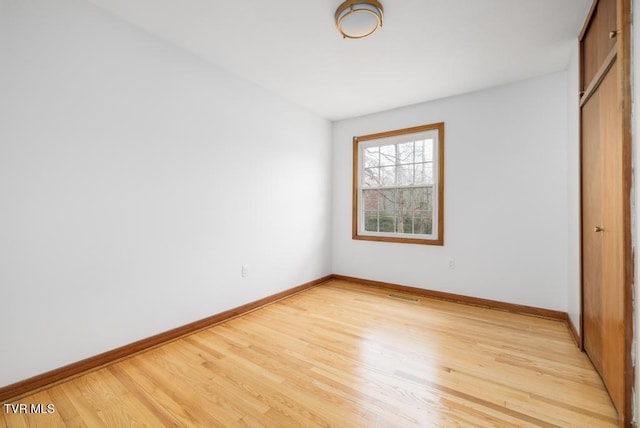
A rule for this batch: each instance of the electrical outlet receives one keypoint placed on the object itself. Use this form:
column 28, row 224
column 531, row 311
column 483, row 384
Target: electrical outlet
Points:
column 452, row 264
column 245, row 271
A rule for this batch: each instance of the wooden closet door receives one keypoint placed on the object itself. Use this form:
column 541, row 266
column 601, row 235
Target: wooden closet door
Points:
column 602, row 235
column 613, row 273
column 605, row 195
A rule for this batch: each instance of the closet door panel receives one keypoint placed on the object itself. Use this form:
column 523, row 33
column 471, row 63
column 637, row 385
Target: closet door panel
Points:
column 612, row 238
column 597, row 41
column 592, row 191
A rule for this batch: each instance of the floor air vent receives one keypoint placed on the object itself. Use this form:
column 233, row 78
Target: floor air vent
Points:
column 405, row 298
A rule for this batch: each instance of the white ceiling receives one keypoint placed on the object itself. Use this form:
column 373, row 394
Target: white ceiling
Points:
column 426, row 49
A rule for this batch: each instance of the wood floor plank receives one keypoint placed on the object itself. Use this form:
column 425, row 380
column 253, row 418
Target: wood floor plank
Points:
column 344, row 354
column 161, row 412
column 66, row 409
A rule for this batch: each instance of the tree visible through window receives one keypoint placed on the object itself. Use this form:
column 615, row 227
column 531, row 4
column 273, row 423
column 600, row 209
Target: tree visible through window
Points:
column 398, row 185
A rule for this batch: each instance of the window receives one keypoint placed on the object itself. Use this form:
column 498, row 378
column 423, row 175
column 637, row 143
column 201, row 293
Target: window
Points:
column 398, row 185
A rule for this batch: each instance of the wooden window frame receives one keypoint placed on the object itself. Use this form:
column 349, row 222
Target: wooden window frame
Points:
column 439, row 185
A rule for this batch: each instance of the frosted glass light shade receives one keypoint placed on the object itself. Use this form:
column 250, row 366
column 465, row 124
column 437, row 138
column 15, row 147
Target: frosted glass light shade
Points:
column 358, row 18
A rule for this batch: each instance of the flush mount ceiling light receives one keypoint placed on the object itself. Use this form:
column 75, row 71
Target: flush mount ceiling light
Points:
column 356, row 19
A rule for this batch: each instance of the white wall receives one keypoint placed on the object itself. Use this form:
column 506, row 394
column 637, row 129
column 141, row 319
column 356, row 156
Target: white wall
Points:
column 573, row 190
column 505, row 197
column 135, row 180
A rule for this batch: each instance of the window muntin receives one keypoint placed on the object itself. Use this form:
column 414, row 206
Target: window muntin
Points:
column 398, row 185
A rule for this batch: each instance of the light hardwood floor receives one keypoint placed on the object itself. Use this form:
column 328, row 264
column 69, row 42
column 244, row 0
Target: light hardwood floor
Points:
column 344, row 355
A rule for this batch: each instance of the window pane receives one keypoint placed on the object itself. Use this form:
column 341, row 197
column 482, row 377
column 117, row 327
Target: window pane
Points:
column 388, row 200
column 371, row 157
column 371, row 198
column 388, row 175
column 387, row 221
column 371, row 177
column 424, row 173
column 423, row 225
column 423, row 199
column 419, row 151
column 404, row 201
column 405, row 153
column 388, row 155
column 405, row 224
column 428, row 150
column 405, row 175
column 371, row 221
column 424, row 150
